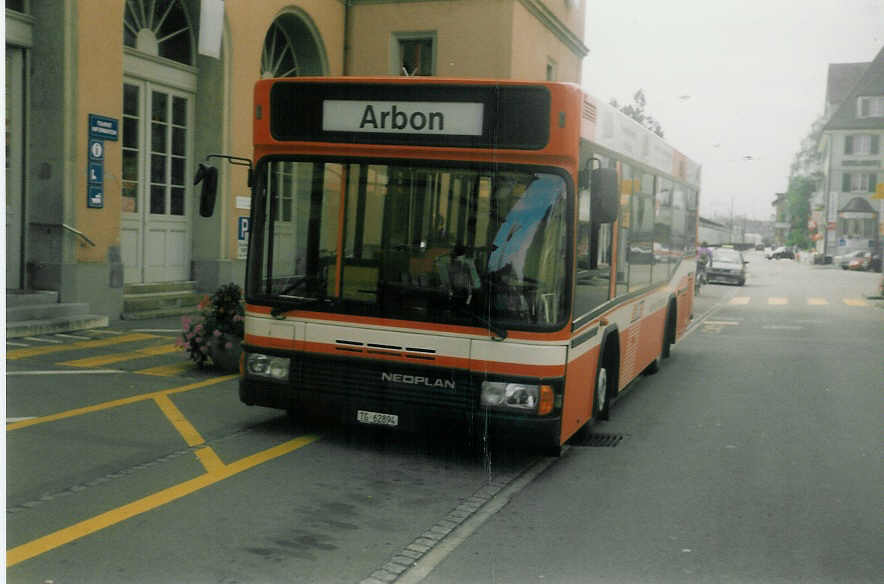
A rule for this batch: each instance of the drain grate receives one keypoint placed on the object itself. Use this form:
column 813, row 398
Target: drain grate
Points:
column 603, row 440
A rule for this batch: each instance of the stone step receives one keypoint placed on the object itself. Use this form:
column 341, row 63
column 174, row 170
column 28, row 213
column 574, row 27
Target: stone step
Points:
column 153, row 301
column 64, row 324
column 25, row 298
column 159, row 313
column 158, row 287
column 45, row 311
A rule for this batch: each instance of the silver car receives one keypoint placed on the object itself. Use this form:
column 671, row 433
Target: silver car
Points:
column 727, row 267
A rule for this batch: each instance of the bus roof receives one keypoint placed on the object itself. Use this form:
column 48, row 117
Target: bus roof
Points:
column 454, row 113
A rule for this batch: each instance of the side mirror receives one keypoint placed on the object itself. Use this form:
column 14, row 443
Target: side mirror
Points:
column 208, row 175
column 605, row 195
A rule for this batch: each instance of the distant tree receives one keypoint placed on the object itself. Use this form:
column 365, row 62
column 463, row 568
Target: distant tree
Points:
column 636, row 111
column 801, row 189
column 808, row 160
column 805, row 174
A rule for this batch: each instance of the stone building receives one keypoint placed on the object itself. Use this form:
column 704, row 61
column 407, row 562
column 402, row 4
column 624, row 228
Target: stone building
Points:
column 112, row 103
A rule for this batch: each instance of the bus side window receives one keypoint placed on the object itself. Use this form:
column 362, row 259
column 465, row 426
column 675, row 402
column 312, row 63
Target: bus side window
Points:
column 593, row 253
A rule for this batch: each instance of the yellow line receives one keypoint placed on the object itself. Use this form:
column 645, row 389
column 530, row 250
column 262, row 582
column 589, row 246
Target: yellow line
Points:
column 817, row 301
column 210, row 460
column 89, row 526
column 778, row 301
column 855, row 302
column 117, row 357
column 167, row 370
column 190, row 434
column 35, row 351
column 117, row 403
column 740, row 300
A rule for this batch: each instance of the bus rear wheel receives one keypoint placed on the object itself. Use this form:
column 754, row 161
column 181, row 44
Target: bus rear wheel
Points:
column 668, row 333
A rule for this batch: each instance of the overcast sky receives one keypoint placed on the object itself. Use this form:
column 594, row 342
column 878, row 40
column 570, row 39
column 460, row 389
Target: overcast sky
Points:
column 754, row 70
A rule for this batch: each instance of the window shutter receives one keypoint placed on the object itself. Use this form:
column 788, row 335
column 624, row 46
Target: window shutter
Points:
column 873, row 182
column 848, row 144
column 845, row 182
column 874, row 143
column 864, row 107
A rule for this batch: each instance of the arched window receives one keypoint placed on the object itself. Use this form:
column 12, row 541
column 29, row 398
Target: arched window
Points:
column 291, row 48
column 159, row 27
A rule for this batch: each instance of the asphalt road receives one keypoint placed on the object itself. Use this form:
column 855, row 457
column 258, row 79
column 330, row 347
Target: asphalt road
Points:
column 753, row 456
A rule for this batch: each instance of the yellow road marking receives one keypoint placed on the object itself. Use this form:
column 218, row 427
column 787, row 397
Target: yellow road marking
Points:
column 117, row 357
column 167, row 370
column 191, row 435
column 777, row 301
column 184, row 427
column 35, row 351
column 117, row 403
column 740, row 300
column 817, row 301
column 210, row 460
column 89, row 526
column 855, row 302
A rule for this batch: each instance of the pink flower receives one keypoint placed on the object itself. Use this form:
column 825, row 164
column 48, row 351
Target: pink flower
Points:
column 216, row 333
column 228, row 345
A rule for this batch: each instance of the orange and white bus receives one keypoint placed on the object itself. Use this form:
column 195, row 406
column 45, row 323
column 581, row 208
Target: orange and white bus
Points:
column 506, row 254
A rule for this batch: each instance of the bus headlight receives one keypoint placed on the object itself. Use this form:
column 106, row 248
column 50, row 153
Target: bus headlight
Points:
column 517, row 396
column 268, row 366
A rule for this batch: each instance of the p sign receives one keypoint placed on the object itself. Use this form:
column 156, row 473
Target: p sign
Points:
column 242, row 231
column 242, row 238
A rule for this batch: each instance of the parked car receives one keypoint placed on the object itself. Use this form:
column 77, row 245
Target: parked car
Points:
column 783, row 252
column 727, row 266
column 861, row 261
column 843, row 261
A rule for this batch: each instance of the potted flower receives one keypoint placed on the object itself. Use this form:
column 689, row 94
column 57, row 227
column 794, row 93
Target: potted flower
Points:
column 216, row 333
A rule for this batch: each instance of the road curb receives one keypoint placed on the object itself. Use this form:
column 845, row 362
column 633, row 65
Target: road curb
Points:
column 416, row 560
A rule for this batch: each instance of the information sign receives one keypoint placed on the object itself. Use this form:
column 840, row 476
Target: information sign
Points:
column 95, row 197
column 103, row 127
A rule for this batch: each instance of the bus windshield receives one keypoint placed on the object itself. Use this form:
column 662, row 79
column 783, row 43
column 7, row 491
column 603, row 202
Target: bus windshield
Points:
column 414, row 242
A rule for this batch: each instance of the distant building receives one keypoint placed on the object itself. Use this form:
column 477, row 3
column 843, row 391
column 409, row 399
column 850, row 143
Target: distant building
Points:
column 853, row 147
column 713, row 233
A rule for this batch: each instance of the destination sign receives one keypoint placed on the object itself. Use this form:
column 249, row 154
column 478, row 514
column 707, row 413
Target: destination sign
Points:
column 459, row 115
column 406, row 117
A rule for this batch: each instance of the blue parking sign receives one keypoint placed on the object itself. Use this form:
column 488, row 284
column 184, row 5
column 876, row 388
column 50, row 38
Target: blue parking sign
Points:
column 242, row 232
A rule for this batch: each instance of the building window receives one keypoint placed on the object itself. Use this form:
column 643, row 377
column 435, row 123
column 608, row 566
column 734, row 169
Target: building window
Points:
column 858, row 228
column 858, row 182
column 160, row 28
column 870, row 107
column 415, row 55
column 551, row 70
column 861, row 144
column 291, row 48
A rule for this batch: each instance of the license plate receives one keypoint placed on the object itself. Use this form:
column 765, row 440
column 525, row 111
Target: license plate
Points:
column 377, row 418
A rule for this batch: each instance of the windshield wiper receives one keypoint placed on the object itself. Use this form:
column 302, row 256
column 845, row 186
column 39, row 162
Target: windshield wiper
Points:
column 294, row 302
column 496, row 329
